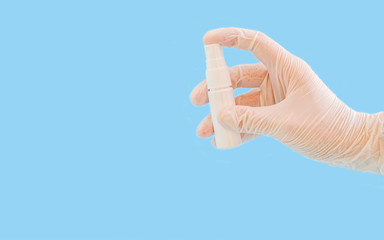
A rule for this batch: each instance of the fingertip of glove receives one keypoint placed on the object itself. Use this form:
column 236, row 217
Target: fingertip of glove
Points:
column 214, row 36
column 207, row 38
column 214, row 142
column 193, row 97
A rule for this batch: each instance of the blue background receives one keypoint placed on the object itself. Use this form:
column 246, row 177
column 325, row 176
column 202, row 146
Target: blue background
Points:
column 97, row 134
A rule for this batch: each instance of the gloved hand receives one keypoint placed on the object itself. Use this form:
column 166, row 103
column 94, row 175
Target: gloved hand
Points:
column 290, row 103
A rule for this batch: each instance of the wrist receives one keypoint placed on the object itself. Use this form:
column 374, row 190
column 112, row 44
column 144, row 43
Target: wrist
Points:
column 364, row 150
column 375, row 141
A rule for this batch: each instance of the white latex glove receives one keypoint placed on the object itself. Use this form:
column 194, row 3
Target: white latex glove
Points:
column 290, row 103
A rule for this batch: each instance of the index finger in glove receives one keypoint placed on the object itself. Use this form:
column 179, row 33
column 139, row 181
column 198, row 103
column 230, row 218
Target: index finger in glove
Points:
column 262, row 46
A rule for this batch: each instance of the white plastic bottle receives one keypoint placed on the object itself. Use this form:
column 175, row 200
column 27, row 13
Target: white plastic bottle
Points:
column 220, row 94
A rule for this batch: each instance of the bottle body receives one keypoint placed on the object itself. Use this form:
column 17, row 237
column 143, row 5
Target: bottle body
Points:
column 220, row 94
column 218, row 99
